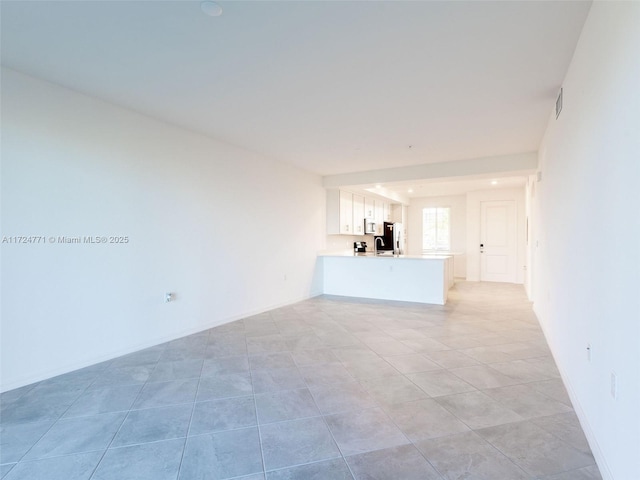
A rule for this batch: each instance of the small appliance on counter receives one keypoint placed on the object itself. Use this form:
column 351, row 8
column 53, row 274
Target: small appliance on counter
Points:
column 359, row 247
column 369, row 226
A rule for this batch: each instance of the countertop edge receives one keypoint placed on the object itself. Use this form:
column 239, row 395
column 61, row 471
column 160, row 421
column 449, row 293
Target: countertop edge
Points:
column 349, row 254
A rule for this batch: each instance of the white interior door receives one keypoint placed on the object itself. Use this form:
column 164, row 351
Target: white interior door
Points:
column 498, row 249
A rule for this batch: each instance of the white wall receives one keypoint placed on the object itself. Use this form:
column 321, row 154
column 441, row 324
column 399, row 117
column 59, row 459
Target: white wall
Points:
column 474, row 200
column 336, row 243
column 587, row 265
column 530, row 225
column 218, row 225
column 458, row 205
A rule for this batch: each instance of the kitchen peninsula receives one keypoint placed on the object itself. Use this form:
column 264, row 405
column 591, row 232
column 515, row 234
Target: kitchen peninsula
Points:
column 407, row 278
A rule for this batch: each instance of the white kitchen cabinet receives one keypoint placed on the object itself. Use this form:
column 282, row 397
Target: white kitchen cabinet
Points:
column 386, row 208
column 358, row 214
column 340, row 213
column 398, row 213
column 379, row 216
column 369, row 207
column 337, row 219
column 346, row 213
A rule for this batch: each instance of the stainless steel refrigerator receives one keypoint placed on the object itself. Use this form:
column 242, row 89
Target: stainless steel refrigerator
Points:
column 393, row 238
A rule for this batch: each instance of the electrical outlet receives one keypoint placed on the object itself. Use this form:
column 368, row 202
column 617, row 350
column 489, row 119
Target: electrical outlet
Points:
column 614, row 386
column 168, row 297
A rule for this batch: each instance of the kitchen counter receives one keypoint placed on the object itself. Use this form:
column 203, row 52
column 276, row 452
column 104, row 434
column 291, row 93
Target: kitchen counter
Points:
column 408, row 278
column 349, row 253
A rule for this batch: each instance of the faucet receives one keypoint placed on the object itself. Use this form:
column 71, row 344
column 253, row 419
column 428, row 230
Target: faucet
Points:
column 375, row 245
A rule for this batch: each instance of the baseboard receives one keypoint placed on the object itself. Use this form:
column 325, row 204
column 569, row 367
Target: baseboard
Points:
column 598, row 455
column 50, row 373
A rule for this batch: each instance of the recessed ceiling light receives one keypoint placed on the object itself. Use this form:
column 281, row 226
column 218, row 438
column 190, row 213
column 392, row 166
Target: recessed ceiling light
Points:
column 410, row 190
column 378, row 186
column 211, row 8
column 494, row 182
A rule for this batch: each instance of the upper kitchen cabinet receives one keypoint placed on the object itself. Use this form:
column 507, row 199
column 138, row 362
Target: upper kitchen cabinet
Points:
column 341, row 217
column 358, row 214
column 369, row 208
column 399, row 213
column 346, row 213
column 382, row 213
column 386, row 209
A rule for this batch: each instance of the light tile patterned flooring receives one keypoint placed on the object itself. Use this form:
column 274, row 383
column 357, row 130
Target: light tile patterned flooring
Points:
column 330, row 388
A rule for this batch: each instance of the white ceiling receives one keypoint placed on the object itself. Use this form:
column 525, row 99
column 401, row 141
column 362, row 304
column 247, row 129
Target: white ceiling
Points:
column 331, row 86
column 453, row 186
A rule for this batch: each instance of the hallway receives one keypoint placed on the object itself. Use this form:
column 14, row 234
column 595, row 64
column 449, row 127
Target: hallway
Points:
column 329, row 388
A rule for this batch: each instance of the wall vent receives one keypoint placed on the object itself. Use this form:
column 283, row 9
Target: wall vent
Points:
column 559, row 104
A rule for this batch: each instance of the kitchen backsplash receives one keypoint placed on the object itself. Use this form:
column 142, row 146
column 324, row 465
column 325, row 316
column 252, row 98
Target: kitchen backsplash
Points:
column 345, row 242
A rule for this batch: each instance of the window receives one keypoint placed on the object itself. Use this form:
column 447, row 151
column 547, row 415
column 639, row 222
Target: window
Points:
column 436, row 228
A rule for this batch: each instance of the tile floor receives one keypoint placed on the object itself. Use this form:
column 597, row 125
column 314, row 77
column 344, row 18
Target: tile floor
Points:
column 330, row 388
